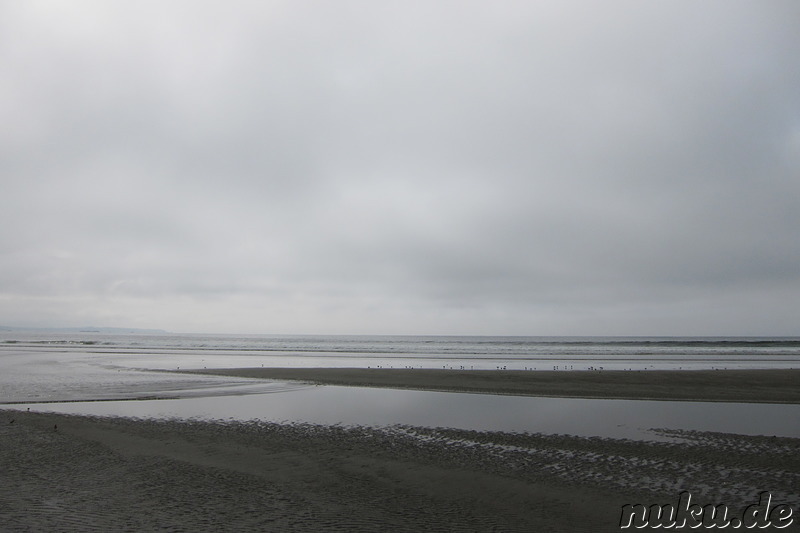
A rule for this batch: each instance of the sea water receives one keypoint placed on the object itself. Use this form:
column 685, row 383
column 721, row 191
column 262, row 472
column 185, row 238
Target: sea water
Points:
column 165, row 351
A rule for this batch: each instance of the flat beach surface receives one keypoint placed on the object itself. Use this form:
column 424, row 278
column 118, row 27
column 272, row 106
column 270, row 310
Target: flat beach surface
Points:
column 763, row 386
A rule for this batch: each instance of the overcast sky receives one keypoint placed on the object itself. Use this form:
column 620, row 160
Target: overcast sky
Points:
column 419, row 167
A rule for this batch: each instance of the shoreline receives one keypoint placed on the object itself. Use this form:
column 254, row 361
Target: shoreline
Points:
column 740, row 386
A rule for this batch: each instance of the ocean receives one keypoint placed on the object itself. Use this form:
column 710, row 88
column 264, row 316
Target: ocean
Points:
column 477, row 352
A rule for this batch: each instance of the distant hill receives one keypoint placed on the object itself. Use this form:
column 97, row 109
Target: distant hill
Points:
column 86, row 329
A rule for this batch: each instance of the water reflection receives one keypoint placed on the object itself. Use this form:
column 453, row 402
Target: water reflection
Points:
column 380, row 407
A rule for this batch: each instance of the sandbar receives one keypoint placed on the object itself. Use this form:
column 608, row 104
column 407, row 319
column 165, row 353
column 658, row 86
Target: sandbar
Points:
column 756, row 386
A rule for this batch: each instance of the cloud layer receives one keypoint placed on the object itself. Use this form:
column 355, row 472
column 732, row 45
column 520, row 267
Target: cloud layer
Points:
column 418, row 167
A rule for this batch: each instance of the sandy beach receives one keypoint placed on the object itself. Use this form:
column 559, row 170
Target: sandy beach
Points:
column 71, row 473
column 80, row 473
column 762, row 386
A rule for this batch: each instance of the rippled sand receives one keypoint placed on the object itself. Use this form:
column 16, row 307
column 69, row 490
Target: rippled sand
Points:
column 71, row 473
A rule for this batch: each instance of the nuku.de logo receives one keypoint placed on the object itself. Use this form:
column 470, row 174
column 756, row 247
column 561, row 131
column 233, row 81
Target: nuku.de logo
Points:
column 692, row 515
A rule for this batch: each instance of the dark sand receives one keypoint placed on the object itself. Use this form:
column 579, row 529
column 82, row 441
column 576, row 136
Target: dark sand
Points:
column 114, row 474
column 762, row 386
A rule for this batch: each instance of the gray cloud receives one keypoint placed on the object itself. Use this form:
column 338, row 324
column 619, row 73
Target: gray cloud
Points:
column 426, row 167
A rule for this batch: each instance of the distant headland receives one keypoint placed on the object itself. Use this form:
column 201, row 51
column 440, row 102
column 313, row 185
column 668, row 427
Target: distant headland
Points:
column 85, row 329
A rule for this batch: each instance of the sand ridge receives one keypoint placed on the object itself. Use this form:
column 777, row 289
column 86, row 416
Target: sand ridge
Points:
column 759, row 386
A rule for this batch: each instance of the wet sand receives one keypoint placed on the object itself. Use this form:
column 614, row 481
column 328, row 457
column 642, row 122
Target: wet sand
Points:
column 115, row 474
column 761, row 386
column 79, row 473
